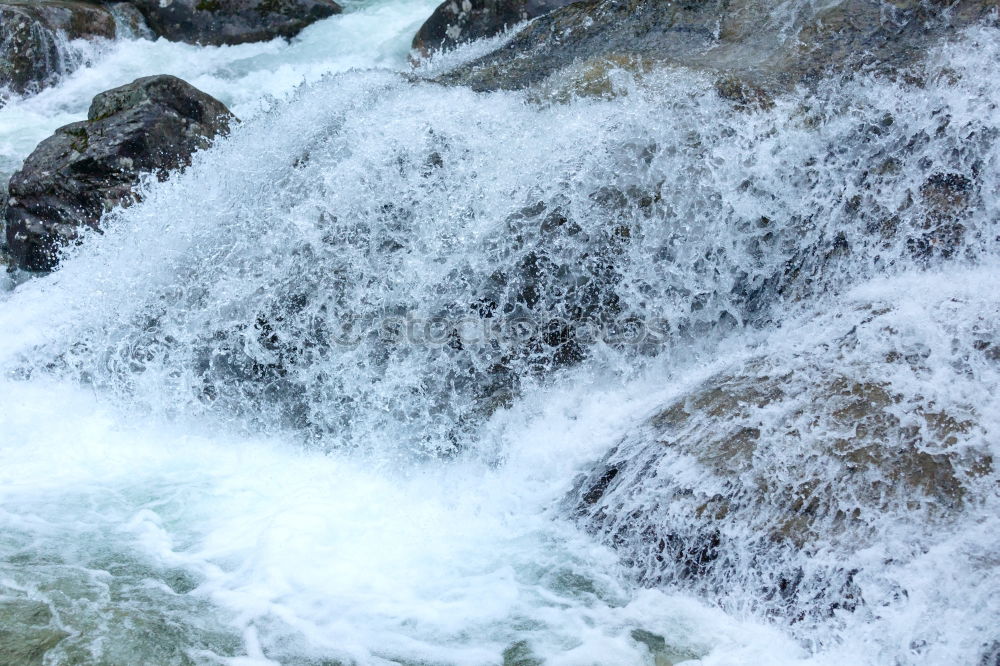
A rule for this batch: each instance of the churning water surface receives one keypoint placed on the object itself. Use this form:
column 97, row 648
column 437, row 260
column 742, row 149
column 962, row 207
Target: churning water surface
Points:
column 168, row 496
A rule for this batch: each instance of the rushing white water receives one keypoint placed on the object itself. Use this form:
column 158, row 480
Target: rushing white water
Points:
column 367, row 35
column 219, row 447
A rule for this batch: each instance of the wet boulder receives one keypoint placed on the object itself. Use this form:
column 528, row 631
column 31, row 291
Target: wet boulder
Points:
column 772, row 486
column 216, row 22
column 34, row 49
column 458, row 21
column 753, row 50
column 152, row 125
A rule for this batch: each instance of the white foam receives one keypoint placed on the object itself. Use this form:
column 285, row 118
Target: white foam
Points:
column 142, row 496
column 444, row 563
column 366, row 35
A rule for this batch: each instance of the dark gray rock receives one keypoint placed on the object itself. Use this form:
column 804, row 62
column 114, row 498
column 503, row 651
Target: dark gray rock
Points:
column 87, row 168
column 458, row 21
column 744, row 39
column 33, row 36
column 232, row 21
column 991, row 656
column 130, row 22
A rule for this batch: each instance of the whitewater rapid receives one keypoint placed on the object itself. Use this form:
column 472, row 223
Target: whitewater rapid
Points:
column 162, row 503
column 243, row 77
column 171, row 540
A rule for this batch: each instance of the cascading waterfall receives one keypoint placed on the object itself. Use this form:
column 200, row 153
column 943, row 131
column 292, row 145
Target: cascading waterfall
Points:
column 57, row 55
column 372, row 35
column 319, row 398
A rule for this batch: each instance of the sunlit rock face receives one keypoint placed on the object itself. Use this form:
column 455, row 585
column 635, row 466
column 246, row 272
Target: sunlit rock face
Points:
column 783, row 481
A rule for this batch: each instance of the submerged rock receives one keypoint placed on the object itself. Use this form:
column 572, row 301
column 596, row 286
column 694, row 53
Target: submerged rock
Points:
column 28, row 631
column 215, row 22
column 33, row 36
column 765, row 483
column 458, row 21
column 751, row 45
column 152, row 125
